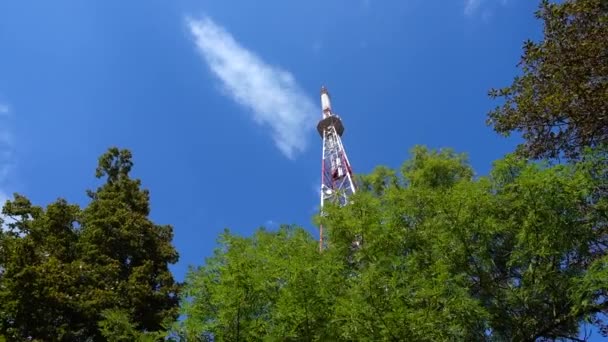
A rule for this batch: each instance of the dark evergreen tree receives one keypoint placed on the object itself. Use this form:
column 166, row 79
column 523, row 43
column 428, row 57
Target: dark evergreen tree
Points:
column 66, row 272
column 40, row 266
column 131, row 251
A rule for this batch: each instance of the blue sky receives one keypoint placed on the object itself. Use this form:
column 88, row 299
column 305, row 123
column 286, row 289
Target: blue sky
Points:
column 218, row 100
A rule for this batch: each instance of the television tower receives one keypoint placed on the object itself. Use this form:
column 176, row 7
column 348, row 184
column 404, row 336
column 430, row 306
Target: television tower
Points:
column 336, row 173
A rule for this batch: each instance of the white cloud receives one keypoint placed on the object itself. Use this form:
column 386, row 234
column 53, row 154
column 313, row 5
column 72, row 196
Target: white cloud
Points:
column 269, row 92
column 4, row 109
column 317, row 46
column 271, row 224
column 316, row 187
column 3, row 197
column 6, row 142
column 6, row 153
column 472, row 6
column 4, row 219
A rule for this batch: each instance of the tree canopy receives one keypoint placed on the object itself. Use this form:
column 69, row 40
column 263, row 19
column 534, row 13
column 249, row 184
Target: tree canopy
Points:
column 66, row 270
column 442, row 255
column 560, row 101
column 517, row 255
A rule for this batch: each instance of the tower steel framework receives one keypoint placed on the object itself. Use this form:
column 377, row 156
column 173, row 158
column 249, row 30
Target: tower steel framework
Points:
column 336, row 173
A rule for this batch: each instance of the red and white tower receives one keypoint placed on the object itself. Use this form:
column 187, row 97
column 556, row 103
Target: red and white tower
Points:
column 336, row 173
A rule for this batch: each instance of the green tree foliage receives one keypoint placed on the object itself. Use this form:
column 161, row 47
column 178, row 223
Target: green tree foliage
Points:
column 560, row 102
column 40, row 272
column 61, row 267
column 133, row 253
column 256, row 288
column 517, row 255
column 117, row 326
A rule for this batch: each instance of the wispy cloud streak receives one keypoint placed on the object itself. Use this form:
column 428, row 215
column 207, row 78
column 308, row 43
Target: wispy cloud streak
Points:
column 271, row 94
column 6, row 143
column 472, row 6
column 6, row 154
column 4, row 109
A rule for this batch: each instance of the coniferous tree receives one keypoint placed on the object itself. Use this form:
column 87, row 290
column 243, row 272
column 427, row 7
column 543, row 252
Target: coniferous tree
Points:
column 39, row 262
column 66, row 273
column 133, row 252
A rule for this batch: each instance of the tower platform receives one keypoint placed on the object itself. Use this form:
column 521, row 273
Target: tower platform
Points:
column 329, row 121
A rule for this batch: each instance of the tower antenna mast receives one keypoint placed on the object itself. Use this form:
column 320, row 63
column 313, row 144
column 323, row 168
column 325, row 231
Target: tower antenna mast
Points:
column 336, row 173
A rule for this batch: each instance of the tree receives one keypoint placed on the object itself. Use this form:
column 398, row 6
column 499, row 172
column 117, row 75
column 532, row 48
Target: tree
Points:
column 132, row 252
column 263, row 287
column 39, row 287
column 512, row 254
column 65, row 271
column 117, row 326
column 517, row 255
column 560, row 102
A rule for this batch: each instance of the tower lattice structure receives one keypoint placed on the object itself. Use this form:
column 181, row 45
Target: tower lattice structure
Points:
column 336, row 173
